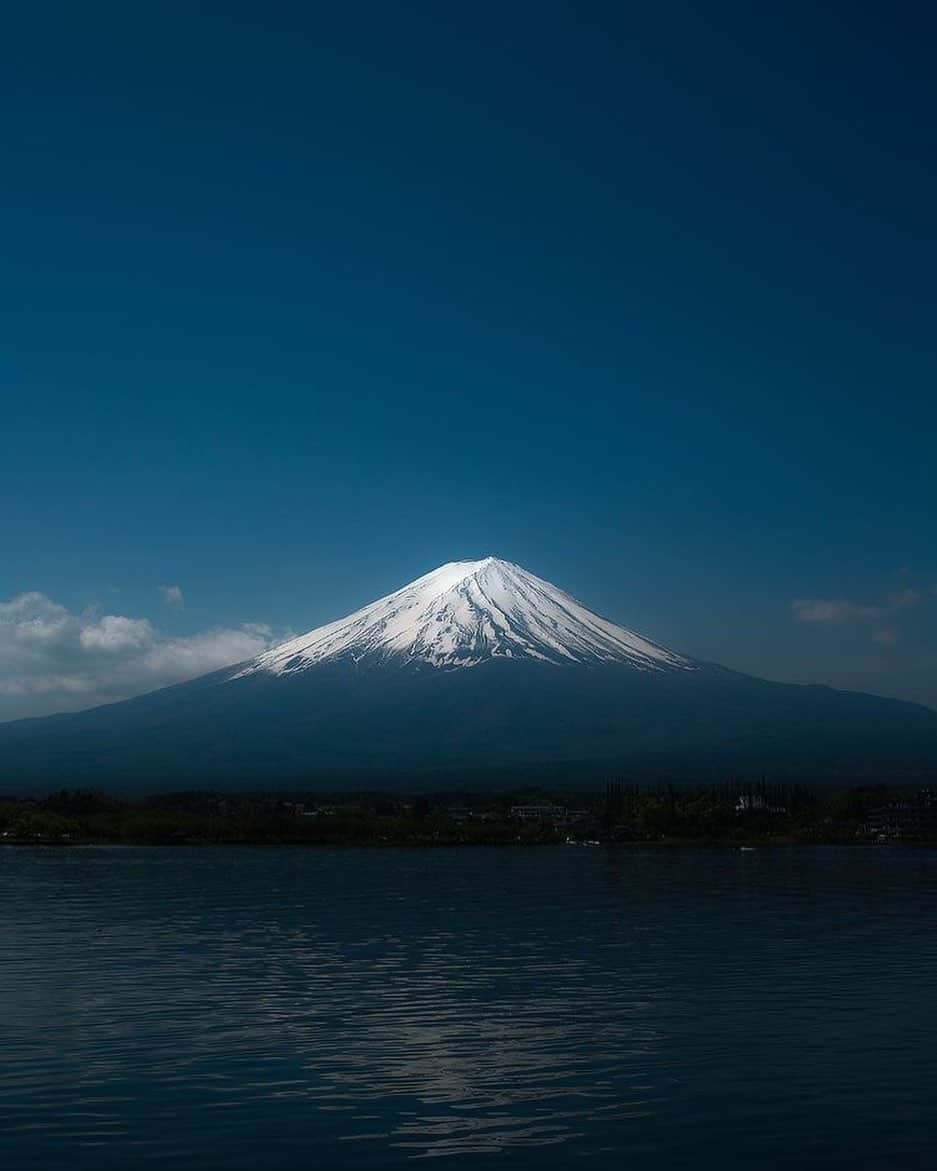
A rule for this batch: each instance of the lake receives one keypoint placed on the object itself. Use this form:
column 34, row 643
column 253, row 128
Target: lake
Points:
column 542, row 1007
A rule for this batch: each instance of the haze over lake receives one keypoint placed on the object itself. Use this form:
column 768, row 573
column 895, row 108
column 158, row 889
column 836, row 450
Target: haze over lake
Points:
column 363, row 1008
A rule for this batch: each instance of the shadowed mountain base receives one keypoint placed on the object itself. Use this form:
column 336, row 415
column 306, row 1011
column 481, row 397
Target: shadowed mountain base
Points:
column 500, row 720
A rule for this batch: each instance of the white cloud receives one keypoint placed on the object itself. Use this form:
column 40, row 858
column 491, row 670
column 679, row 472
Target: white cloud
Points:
column 840, row 610
column 261, row 629
column 46, row 685
column 831, row 610
column 54, row 660
column 186, row 657
column 903, row 600
column 116, row 634
column 172, row 595
column 34, row 618
column 886, row 637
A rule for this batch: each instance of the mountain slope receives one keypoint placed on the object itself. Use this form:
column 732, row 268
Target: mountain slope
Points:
column 464, row 613
column 478, row 672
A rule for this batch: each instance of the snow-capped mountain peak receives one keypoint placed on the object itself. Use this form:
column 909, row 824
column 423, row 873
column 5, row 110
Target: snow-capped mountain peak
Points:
column 464, row 613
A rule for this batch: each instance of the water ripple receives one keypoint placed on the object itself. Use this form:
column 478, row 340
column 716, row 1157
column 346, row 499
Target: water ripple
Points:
column 229, row 1007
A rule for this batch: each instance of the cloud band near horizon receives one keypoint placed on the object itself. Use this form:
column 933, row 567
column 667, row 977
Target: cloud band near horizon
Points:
column 52, row 659
column 840, row 610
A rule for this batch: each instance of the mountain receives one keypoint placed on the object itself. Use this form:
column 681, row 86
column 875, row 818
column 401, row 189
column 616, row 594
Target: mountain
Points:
column 466, row 613
column 478, row 672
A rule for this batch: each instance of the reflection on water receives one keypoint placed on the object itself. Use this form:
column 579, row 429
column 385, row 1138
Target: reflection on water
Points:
column 365, row 1008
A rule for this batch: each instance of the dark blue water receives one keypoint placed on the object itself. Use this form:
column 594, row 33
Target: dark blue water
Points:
column 545, row 1007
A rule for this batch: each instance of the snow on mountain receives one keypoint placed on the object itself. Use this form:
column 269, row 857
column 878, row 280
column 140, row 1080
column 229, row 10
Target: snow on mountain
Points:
column 463, row 613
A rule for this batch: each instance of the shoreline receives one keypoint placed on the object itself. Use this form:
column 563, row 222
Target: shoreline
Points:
column 733, row 816
column 751, row 844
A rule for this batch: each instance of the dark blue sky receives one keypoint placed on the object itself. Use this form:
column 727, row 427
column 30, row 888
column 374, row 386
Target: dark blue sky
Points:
column 301, row 300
